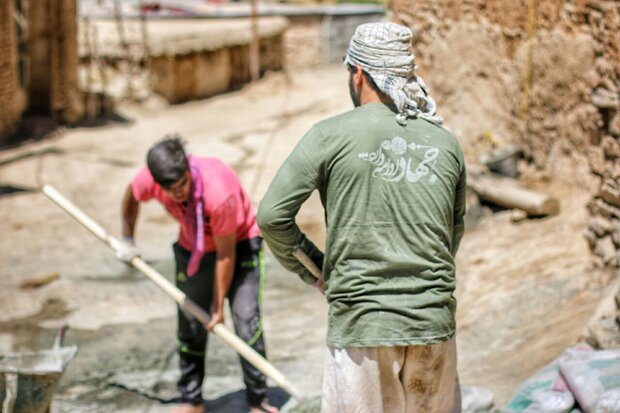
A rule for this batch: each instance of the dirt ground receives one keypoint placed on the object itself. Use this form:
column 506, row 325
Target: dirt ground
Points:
column 525, row 291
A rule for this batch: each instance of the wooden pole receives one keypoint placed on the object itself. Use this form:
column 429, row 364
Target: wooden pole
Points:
column 507, row 193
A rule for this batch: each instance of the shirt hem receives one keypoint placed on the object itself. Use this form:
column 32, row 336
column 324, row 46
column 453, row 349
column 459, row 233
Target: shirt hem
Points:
column 397, row 342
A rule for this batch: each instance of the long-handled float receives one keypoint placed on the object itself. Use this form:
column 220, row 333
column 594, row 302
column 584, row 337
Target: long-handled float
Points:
column 177, row 295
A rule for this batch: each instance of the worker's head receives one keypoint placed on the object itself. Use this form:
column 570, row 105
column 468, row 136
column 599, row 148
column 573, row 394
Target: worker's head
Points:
column 383, row 52
column 169, row 167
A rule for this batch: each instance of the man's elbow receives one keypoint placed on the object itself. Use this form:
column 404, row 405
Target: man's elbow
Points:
column 265, row 218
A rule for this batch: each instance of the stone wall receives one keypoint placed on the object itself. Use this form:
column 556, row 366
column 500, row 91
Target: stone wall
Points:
column 603, row 233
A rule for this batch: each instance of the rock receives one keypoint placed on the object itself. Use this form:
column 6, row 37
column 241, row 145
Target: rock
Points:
column 606, row 249
column 615, row 233
column 614, row 124
column 615, row 170
column 591, row 238
column 600, row 226
column 600, row 207
column 602, row 330
column 610, row 192
column 596, row 160
column 605, row 99
column 504, row 160
column 600, row 6
column 517, row 215
column 611, row 147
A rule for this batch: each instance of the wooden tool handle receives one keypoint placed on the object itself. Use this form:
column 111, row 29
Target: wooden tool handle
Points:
column 307, row 262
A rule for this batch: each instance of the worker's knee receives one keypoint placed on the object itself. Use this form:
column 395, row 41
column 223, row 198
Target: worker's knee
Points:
column 246, row 324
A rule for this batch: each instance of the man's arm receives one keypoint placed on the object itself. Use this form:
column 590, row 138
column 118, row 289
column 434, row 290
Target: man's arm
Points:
column 130, row 209
column 225, row 251
column 297, row 178
column 129, row 212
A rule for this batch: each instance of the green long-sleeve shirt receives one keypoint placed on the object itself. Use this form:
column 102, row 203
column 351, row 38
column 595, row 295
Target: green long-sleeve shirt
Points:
column 394, row 199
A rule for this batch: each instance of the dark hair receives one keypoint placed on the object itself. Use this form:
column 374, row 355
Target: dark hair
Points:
column 369, row 78
column 167, row 161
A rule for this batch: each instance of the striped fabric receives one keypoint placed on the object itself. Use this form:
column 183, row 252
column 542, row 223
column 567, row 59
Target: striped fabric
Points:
column 383, row 50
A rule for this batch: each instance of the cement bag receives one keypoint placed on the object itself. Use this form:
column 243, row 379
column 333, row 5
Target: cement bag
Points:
column 550, row 401
column 476, row 400
column 609, row 402
column 546, row 391
column 590, row 374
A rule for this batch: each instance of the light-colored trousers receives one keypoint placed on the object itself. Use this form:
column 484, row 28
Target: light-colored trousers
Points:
column 413, row 379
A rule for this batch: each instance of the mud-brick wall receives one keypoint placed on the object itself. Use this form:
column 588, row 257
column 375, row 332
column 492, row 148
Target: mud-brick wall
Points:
column 53, row 59
column 42, row 77
column 11, row 96
column 553, row 88
column 199, row 74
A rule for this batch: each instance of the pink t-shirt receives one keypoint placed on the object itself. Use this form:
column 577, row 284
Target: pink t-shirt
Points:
column 226, row 205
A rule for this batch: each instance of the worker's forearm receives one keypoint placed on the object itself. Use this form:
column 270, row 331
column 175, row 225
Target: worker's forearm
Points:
column 129, row 212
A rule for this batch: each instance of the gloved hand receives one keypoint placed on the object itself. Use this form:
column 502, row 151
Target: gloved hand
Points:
column 126, row 251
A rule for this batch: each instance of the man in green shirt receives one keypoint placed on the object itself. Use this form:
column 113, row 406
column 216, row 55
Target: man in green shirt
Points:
column 392, row 182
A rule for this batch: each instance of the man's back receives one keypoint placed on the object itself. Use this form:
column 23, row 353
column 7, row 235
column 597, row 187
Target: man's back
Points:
column 390, row 194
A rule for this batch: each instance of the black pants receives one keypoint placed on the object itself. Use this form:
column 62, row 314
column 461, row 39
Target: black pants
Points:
column 244, row 297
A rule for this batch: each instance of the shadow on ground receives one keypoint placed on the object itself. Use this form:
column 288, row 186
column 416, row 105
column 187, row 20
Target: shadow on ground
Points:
column 229, row 403
column 235, row 402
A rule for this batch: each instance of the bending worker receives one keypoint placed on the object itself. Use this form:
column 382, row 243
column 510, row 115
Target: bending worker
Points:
column 392, row 182
column 218, row 256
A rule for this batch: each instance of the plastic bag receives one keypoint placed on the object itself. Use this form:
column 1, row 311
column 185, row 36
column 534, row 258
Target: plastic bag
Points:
column 589, row 375
column 475, row 399
column 550, row 401
column 546, row 391
column 609, row 402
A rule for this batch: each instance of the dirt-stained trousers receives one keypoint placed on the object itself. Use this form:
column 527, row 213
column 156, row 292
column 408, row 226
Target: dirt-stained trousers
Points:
column 244, row 297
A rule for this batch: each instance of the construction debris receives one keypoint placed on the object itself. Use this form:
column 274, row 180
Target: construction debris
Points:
column 39, row 281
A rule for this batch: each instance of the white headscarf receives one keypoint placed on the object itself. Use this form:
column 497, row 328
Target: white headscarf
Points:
column 383, row 50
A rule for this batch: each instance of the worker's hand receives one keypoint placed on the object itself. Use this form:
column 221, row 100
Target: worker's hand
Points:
column 217, row 316
column 318, row 284
column 126, row 251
